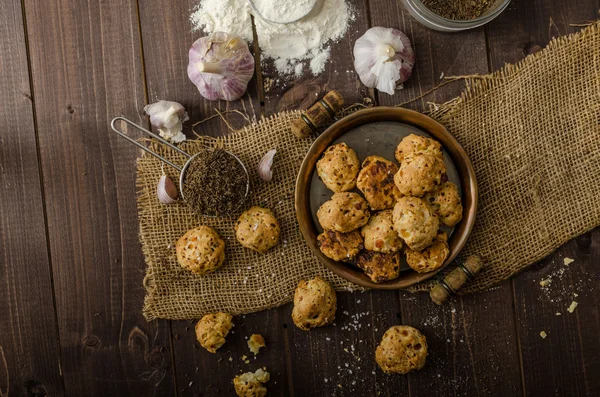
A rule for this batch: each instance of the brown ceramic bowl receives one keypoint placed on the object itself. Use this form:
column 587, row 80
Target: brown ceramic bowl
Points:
column 377, row 131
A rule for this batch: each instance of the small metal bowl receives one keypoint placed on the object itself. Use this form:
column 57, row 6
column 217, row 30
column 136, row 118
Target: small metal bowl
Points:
column 190, row 158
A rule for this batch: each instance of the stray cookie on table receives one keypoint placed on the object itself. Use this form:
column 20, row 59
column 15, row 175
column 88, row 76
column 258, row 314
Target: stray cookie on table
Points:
column 446, row 203
column 376, row 182
column 251, row 384
column 432, row 257
column 379, row 234
column 338, row 168
column 378, row 266
column 415, row 222
column 315, row 304
column 200, row 250
column 257, row 229
column 413, row 144
column 340, row 246
column 344, row 212
column 255, row 343
column 212, row 329
column 402, row 349
column 419, row 174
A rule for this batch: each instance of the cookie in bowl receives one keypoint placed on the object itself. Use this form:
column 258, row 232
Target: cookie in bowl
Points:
column 415, row 222
column 340, row 246
column 446, row 202
column 379, row 234
column 338, row 168
column 413, row 144
column 200, row 250
column 432, row 257
column 376, row 182
column 419, row 174
column 344, row 212
column 378, row 266
column 257, row 229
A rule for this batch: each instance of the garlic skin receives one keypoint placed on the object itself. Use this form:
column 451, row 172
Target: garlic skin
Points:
column 383, row 58
column 264, row 167
column 168, row 117
column 166, row 191
column 221, row 66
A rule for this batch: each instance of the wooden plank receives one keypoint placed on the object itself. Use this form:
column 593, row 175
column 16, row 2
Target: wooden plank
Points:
column 206, row 374
column 87, row 68
column 291, row 93
column 167, row 37
column 473, row 347
column 458, row 333
column 339, row 360
column 437, row 55
column 29, row 352
column 565, row 363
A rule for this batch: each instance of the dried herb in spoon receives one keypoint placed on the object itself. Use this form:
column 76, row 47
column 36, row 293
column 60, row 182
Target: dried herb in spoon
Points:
column 215, row 183
column 462, row 10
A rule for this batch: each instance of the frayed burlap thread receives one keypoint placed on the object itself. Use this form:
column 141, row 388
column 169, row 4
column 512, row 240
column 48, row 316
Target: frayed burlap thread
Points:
column 532, row 131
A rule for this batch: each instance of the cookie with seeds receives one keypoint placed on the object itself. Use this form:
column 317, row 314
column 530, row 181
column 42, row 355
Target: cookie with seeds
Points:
column 419, row 174
column 432, row 257
column 340, row 246
column 402, row 349
column 378, row 266
column 344, row 212
column 446, row 202
column 251, row 384
column 338, row 168
column 257, row 229
column 415, row 222
column 200, row 250
column 379, row 234
column 212, row 329
column 315, row 304
column 413, row 144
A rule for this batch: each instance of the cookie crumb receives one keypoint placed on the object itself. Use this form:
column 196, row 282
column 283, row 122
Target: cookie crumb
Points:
column 255, row 343
column 545, row 282
column 568, row 261
column 573, row 306
column 543, row 334
column 558, row 313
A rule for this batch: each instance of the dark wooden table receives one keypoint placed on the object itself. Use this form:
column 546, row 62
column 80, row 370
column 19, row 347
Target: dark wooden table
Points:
column 71, row 267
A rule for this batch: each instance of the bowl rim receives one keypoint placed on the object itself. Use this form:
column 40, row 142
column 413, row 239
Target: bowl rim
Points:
column 425, row 123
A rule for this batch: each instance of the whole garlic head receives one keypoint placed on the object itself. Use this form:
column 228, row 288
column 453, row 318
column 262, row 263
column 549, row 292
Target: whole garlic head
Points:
column 383, row 58
column 168, row 117
column 221, row 66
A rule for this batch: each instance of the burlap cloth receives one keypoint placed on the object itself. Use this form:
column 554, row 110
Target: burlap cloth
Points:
column 532, row 131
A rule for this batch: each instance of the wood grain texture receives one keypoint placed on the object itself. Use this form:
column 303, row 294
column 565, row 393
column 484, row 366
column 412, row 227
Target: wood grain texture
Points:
column 437, row 55
column 167, row 37
column 86, row 69
column 29, row 352
column 565, row 363
column 339, row 360
column 288, row 93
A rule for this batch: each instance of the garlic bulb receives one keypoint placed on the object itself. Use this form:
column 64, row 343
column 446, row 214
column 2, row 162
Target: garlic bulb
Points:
column 166, row 190
column 383, row 58
column 264, row 167
column 168, row 117
column 221, row 66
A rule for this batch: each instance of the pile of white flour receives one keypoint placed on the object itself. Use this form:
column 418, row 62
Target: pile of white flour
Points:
column 287, row 44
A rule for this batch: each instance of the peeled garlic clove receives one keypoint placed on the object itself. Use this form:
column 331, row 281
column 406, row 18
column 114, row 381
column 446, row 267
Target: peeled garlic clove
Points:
column 221, row 66
column 168, row 117
column 383, row 58
column 166, row 190
column 264, row 167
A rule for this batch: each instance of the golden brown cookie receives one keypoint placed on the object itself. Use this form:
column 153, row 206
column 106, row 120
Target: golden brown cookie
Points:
column 376, row 182
column 402, row 349
column 415, row 222
column 212, row 329
column 378, row 266
column 340, row 246
column 255, row 343
column 445, row 201
column 344, row 212
column 420, row 174
column 257, row 229
column 251, row 384
column 432, row 257
column 200, row 250
column 315, row 303
column 379, row 234
column 338, row 167
column 413, row 144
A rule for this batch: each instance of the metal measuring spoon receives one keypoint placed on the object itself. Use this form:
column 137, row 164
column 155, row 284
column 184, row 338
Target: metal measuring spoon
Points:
column 311, row 5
